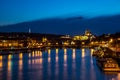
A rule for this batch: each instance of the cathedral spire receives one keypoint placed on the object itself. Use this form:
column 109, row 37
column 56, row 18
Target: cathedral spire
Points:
column 29, row 30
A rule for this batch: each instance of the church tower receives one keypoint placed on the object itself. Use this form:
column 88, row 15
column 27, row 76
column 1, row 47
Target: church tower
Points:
column 29, row 30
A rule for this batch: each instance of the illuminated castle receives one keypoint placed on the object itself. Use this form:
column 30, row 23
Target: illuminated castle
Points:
column 87, row 35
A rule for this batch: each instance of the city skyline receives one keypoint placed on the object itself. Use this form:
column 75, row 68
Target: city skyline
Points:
column 59, row 39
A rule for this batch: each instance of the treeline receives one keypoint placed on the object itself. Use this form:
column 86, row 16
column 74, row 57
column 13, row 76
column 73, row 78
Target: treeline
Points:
column 23, row 35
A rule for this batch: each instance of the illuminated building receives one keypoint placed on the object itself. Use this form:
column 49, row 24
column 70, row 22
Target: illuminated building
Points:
column 66, row 36
column 80, row 38
column 10, row 43
column 86, row 36
column 88, row 33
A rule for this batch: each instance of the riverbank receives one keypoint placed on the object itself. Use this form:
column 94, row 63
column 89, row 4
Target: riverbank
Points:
column 107, row 59
column 17, row 50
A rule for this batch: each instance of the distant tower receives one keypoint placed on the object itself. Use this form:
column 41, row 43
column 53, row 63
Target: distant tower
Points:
column 29, row 30
column 87, row 33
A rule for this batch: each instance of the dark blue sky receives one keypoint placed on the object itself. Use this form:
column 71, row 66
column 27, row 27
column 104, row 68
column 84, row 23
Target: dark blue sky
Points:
column 15, row 11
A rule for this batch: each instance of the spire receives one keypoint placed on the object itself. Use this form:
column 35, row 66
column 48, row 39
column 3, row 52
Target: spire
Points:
column 29, row 30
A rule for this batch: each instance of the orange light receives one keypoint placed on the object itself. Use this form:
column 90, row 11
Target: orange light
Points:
column 65, row 51
column 1, row 58
column 20, row 64
column 40, row 53
column 56, row 57
column 83, row 53
column 49, row 51
column 73, row 55
column 20, row 55
column 9, row 57
column 56, row 50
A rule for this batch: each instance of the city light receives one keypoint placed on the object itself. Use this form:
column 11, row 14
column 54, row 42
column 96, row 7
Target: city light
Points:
column 83, row 52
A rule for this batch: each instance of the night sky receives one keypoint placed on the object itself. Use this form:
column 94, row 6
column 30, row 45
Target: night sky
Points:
column 15, row 11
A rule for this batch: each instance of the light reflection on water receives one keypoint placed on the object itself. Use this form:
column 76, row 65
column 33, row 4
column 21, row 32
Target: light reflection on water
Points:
column 74, row 62
column 55, row 64
column 49, row 58
column 73, row 54
column 83, row 52
column 9, row 68
column 83, row 66
column 20, row 65
column 65, row 64
column 1, row 64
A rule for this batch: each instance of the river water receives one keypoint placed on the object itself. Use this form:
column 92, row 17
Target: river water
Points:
column 53, row 64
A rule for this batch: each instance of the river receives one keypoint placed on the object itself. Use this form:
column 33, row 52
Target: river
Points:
column 53, row 64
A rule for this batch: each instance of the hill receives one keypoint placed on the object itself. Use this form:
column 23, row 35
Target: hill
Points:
column 72, row 26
